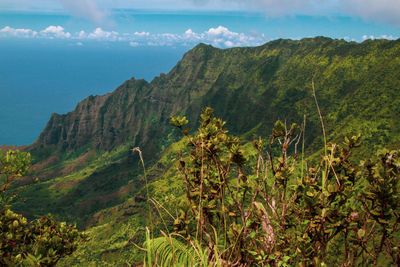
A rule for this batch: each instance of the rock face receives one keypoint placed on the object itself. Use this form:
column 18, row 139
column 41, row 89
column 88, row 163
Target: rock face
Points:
column 136, row 111
column 97, row 120
column 248, row 87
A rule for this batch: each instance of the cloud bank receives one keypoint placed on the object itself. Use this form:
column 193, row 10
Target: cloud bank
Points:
column 51, row 32
column 219, row 37
column 22, row 33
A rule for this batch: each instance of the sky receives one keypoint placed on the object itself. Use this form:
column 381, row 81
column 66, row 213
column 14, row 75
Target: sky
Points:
column 222, row 23
column 380, row 10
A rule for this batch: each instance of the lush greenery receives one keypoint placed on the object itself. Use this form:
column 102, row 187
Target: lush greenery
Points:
column 270, row 214
column 90, row 176
column 42, row 242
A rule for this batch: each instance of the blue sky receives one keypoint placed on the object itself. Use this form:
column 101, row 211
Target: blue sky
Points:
column 222, row 23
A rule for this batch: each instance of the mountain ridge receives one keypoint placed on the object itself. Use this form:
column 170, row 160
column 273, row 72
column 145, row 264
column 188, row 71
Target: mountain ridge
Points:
column 90, row 175
column 250, row 88
column 164, row 90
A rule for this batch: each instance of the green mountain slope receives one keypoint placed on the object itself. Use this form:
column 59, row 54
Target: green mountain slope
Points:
column 89, row 175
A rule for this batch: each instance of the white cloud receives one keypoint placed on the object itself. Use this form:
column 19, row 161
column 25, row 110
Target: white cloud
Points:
column 191, row 36
column 189, row 32
column 366, row 37
column 99, row 34
column 134, row 44
column 81, row 34
column 229, row 44
column 220, row 31
column 223, row 37
column 388, row 37
column 55, row 32
column 141, row 34
column 22, row 33
column 79, row 44
column 349, row 39
column 373, row 37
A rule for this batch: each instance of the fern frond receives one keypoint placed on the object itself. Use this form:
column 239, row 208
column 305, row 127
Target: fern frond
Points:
column 168, row 251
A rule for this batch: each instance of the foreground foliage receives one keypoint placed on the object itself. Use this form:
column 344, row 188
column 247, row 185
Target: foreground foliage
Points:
column 250, row 88
column 42, row 242
column 274, row 211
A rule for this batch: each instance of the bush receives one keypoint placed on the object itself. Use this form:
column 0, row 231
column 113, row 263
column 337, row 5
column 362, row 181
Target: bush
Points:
column 269, row 213
column 42, row 242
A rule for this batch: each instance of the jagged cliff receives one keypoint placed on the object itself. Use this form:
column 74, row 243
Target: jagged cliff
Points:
column 137, row 111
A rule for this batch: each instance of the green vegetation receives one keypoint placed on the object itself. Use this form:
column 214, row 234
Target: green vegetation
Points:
column 42, row 242
column 264, row 214
column 90, row 176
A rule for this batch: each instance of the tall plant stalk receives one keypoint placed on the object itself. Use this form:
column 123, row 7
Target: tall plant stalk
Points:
column 302, row 147
column 324, row 174
column 137, row 149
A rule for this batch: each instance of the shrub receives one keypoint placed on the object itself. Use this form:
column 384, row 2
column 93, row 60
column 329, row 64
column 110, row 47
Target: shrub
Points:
column 42, row 242
column 268, row 213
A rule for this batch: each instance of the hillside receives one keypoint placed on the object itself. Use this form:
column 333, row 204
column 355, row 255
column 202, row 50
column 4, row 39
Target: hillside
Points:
column 89, row 175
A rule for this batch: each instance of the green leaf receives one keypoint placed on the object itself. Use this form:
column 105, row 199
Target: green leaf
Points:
column 361, row 233
column 252, row 234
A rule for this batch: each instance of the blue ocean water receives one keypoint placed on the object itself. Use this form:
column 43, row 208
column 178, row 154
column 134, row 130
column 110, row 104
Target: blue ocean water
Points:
column 37, row 80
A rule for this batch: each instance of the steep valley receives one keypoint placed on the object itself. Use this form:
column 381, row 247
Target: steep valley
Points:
column 89, row 174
